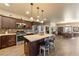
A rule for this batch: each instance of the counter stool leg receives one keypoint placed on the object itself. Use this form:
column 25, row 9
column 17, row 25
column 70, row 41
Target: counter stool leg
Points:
column 44, row 52
column 48, row 51
column 40, row 52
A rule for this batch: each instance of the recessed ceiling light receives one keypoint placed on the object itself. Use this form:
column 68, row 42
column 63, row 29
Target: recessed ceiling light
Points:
column 27, row 12
column 25, row 19
column 37, row 16
column 6, row 4
column 31, row 18
column 37, row 20
column 42, row 21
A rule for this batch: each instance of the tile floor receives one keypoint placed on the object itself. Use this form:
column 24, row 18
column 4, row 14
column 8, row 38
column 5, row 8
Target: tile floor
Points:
column 63, row 47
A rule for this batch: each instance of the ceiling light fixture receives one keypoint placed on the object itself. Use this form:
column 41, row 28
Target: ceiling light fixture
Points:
column 38, row 14
column 37, row 20
column 27, row 12
column 45, row 16
column 31, row 18
column 42, row 16
column 42, row 21
column 6, row 4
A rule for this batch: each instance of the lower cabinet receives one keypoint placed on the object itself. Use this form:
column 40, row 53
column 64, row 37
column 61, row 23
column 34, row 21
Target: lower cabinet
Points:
column 0, row 42
column 11, row 40
column 8, row 40
column 4, row 41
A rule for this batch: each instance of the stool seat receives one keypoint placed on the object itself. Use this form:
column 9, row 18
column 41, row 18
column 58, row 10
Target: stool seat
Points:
column 51, row 45
column 44, row 48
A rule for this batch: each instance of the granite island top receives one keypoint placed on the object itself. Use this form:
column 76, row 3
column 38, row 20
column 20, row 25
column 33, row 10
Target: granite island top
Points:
column 8, row 34
column 36, row 37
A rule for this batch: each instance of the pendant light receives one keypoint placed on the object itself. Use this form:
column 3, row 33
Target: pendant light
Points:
column 31, row 18
column 38, row 14
column 42, row 16
column 45, row 16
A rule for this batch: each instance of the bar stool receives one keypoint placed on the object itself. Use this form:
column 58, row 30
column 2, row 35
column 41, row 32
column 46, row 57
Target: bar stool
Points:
column 45, row 47
column 51, row 45
column 51, row 42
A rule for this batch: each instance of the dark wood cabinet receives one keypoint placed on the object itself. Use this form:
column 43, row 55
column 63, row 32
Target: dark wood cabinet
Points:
column 0, row 22
column 28, row 25
column 8, row 40
column 22, row 24
column 31, row 48
column 0, row 42
column 11, row 40
column 13, row 23
column 8, row 23
column 19, row 21
column 4, row 41
column 5, row 22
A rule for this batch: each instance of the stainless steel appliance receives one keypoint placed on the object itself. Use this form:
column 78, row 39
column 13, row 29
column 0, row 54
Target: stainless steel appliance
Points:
column 19, row 37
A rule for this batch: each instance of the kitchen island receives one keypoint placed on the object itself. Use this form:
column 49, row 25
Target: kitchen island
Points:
column 31, row 43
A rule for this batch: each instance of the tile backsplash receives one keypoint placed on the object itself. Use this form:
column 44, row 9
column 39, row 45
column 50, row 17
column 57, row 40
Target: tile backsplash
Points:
column 2, row 31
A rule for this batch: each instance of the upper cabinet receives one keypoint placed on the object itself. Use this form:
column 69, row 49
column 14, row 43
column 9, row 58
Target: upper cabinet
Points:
column 8, row 23
column 13, row 23
column 22, row 24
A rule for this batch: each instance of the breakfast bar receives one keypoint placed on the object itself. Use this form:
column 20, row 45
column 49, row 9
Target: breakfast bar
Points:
column 31, row 43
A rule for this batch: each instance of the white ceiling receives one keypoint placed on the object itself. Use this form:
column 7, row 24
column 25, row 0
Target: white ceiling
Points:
column 53, row 11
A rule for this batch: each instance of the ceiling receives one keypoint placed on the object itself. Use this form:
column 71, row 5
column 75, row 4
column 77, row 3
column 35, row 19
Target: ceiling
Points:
column 52, row 11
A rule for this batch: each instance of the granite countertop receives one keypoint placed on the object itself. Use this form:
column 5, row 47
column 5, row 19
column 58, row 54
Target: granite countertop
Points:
column 36, row 37
column 8, row 34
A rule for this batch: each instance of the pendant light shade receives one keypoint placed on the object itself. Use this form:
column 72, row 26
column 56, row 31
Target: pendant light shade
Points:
column 38, row 14
column 42, row 16
column 31, row 18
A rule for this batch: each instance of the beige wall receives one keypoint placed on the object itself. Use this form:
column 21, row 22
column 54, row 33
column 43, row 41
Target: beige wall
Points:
column 73, row 24
column 2, row 31
column 10, row 14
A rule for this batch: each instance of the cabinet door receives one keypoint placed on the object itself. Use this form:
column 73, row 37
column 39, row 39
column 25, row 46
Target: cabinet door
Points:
column 8, row 23
column 5, row 22
column 0, row 42
column 30, row 25
column 12, row 23
column 11, row 40
column 4, row 40
column 19, row 20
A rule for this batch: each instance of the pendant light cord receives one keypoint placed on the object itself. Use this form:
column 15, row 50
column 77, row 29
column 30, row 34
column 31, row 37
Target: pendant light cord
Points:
column 31, row 9
column 42, row 14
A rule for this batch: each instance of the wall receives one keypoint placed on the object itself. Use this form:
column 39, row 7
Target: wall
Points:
column 2, row 31
column 73, row 24
column 6, row 13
